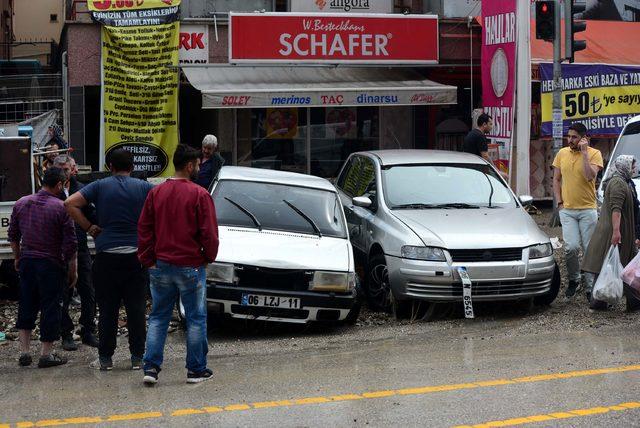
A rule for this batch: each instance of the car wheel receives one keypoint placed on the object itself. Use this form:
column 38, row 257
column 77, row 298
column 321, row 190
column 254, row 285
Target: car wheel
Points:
column 547, row 299
column 378, row 287
column 182, row 319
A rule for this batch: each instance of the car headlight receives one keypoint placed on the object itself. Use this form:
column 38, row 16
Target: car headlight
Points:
column 221, row 272
column 341, row 282
column 540, row 250
column 423, row 253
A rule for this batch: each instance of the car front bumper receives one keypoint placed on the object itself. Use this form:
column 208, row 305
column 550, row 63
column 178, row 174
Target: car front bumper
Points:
column 491, row 281
column 314, row 306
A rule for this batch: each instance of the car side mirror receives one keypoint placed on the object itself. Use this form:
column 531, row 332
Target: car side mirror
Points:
column 362, row 201
column 526, row 200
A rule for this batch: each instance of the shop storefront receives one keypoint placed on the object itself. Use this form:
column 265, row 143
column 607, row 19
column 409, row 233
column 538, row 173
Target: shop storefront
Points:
column 309, row 120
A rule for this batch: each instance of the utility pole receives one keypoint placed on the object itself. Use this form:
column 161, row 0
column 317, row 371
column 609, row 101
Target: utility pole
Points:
column 557, row 99
column 548, row 23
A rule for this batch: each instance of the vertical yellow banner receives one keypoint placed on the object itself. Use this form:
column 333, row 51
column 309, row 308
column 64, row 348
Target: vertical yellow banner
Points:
column 140, row 84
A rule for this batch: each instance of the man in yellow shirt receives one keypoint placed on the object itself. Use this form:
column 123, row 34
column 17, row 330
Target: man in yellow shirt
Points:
column 574, row 185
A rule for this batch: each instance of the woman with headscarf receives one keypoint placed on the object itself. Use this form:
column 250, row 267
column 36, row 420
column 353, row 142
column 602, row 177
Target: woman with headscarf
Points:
column 617, row 222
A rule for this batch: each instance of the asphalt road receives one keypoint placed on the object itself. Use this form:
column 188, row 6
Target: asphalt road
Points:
column 465, row 374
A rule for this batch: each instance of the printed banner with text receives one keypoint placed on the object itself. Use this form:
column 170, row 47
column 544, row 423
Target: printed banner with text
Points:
column 139, row 85
column 499, row 76
column 602, row 97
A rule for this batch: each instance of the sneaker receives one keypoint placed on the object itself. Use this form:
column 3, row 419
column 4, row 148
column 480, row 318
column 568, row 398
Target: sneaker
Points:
column 51, row 360
column 102, row 363
column 25, row 359
column 68, row 344
column 90, row 339
column 150, row 376
column 193, row 377
column 572, row 288
column 136, row 363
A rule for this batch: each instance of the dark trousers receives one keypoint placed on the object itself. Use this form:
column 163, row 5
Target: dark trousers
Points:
column 87, row 299
column 118, row 278
column 41, row 285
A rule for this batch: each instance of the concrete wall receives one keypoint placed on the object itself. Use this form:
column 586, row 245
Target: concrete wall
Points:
column 32, row 22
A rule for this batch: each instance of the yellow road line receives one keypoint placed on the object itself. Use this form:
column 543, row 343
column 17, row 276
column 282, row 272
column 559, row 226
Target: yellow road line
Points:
column 347, row 397
column 579, row 413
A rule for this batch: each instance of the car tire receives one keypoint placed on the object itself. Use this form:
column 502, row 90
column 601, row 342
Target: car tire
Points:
column 377, row 285
column 354, row 313
column 550, row 296
column 182, row 319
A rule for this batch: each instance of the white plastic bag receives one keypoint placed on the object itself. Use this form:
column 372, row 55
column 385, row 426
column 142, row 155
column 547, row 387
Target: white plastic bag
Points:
column 608, row 287
column 631, row 273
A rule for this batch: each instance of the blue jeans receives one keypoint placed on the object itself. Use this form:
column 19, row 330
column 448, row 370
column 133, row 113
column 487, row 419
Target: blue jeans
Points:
column 167, row 282
column 577, row 228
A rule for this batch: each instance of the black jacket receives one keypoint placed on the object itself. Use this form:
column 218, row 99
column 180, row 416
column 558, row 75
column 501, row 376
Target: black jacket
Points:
column 89, row 212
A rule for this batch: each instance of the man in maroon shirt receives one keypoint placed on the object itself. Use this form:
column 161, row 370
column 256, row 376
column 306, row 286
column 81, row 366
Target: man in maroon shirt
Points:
column 43, row 240
column 177, row 238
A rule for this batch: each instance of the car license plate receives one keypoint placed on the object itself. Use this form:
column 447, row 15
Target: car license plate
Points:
column 466, row 292
column 270, row 301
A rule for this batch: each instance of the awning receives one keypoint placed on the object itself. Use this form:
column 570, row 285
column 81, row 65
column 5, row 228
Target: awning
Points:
column 239, row 87
column 608, row 42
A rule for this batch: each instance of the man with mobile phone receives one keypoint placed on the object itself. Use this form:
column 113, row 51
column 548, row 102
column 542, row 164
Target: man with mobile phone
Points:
column 574, row 185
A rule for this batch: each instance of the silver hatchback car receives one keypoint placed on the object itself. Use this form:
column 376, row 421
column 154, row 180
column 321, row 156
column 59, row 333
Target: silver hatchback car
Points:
column 419, row 218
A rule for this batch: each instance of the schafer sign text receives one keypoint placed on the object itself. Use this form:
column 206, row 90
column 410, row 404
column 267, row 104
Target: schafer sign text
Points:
column 334, row 38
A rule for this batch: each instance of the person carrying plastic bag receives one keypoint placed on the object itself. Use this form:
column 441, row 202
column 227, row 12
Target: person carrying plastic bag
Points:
column 616, row 225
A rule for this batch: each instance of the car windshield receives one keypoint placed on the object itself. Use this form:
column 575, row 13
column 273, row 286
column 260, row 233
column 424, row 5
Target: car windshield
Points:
column 461, row 186
column 629, row 142
column 279, row 207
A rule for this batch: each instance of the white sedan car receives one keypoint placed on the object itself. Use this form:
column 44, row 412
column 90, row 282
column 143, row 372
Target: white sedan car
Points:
column 284, row 250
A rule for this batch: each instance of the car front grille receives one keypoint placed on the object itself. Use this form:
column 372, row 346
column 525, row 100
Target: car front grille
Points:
column 273, row 279
column 480, row 289
column 487, row 255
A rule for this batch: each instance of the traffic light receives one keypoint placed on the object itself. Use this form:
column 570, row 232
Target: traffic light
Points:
column 545, row 20
column 571, row 27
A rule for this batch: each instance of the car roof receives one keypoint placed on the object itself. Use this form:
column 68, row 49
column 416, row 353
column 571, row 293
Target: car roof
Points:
column 242, row 173
column 412, row 157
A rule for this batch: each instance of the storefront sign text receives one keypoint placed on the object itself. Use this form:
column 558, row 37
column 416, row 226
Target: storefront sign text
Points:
column 342, row 6
column 344, row 98
column 336, row 38
column 194, row 44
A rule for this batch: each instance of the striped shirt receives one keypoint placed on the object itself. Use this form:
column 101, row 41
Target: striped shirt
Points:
column 43, row 227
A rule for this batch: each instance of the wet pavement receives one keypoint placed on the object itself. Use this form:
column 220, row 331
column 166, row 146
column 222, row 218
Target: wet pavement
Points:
column 466, row 374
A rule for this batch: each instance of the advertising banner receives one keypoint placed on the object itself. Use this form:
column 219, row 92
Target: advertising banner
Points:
column 333, row 38
column 426, row 96
column 342, row 6
column 498, row 76
column 139, row 88
column 194, row 44
column 602, row 97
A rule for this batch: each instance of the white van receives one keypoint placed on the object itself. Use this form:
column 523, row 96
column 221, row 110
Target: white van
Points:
column 628, row 144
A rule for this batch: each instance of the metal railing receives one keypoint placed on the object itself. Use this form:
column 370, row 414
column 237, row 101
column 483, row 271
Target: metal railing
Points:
column 25, row 96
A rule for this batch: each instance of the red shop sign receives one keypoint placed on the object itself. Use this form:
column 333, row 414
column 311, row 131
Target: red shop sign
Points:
column 333, row 38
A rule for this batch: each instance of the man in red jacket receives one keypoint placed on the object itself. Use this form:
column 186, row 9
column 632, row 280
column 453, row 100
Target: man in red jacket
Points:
column 177, row 238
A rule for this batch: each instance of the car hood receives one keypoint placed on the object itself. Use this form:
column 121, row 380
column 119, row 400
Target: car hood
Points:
column 283, row 250
column 473, row 228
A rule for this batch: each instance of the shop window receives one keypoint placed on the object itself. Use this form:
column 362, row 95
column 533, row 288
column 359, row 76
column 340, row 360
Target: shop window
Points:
column 273, row 138
column 337, row 132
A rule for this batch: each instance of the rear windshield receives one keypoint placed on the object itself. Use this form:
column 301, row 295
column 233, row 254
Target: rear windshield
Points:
column 266, row 202
column 629, row 142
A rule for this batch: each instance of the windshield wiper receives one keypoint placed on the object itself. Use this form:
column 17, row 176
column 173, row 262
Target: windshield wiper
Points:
column 247, row 212
column 419, row 206
column 491, row 185
column 304, row 216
